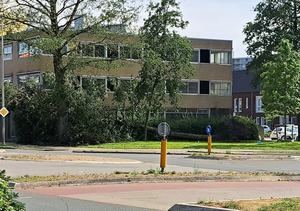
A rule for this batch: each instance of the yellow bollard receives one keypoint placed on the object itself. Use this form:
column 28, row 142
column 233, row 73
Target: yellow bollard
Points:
column 209, row 139
column 163, row 155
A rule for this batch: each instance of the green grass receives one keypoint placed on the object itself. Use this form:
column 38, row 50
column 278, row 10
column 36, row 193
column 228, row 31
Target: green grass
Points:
column 265, row 145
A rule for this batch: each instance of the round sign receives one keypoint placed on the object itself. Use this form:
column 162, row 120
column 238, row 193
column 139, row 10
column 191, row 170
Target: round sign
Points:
column 208, row 129
column 163, row 129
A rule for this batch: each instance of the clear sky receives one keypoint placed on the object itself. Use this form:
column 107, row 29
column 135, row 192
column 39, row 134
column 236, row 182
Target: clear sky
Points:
column 219, row 19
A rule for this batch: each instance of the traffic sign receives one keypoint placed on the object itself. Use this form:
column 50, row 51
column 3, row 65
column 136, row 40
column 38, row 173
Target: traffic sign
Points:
column 163, row 129
column 3, row 112
column 208, row 129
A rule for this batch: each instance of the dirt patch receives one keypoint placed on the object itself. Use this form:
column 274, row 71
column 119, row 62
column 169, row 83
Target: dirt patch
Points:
column 68, row 158
column 271, row 204
column 241, row 157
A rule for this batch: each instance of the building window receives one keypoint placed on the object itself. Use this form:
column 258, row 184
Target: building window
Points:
column 259, row 104
column 220, row 57
column 195, row 56
column 240, row 104
column 235, row 105
column 26, row 50
column 22, row 78
column 204, row 87
column 220, row 88
column 262, row 121
column 257, row 120
column 7, row 50
column 92, row 81
column 247, row 103
column 204, row 56
column 190, row 87
column 8, row 79
column 294, row 120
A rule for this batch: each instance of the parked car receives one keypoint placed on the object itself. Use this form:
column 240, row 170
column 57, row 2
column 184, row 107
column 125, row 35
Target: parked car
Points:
column 266, row 128
column 278, row 133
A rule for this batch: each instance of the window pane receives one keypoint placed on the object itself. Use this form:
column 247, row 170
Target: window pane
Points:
column 204, row 56
column 23, row 50
column 7, row 52
column 99, row 51
column 219, row 88
column 193, row 87
column 25, row 77
column 184, row 87
column 195, row 56
column 125, row 52
column 204, row 87
column 87, row 49
column 112, row 51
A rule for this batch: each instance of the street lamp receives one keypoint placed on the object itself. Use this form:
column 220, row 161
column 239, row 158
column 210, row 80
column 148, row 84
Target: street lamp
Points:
column 3, row 110
column 2, row 71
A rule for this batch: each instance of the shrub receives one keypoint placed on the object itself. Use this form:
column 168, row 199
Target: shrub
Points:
column 228, row 128
column 7, row 196
column 240, row 128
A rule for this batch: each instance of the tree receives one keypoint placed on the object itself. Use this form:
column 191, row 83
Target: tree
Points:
column 275, row 20
column 53, row 21
column 10, row 26
column 165, row 60
column 281, row 84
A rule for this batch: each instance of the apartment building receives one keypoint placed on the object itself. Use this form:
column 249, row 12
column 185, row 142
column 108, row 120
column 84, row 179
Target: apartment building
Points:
column 247, row 100
column 208, row 92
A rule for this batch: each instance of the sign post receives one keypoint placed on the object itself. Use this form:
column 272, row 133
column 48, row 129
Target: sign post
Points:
column 163, row 130
column 209, row 138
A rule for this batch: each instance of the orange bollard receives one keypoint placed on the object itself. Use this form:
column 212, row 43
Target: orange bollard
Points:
column 163, row 155
column 209, row 140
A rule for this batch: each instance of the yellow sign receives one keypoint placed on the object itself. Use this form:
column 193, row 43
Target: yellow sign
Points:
column 4, row 112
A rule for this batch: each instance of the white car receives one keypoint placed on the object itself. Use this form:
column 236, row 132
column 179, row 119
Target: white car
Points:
column 266, row 128
column 278, row 133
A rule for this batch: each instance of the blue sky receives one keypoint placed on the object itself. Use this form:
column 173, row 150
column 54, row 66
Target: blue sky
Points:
column 218, row 19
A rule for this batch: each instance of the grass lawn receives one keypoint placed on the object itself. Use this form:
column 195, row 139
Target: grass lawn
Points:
column 265, row 145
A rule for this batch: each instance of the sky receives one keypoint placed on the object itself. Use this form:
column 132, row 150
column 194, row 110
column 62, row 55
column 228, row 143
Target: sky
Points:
column 219, row 19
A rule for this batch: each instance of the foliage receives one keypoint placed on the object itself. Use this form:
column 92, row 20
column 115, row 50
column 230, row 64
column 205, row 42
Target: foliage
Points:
column 89, row 121
column 51, row 23
column 165, row 61
column 228, row 128
column 10, row 25
column 281, row 82
column 241, row 128
column 8, row 198
column 275, row 20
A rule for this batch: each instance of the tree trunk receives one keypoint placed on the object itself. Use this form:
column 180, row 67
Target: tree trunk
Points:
column 62, row 123
column 146, row 125
column 60, row 78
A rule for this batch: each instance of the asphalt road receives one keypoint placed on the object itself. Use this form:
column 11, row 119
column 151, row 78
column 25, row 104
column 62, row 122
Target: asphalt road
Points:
column 153, row 196
column 178, row 163
column 38, row 202
column 140, row 197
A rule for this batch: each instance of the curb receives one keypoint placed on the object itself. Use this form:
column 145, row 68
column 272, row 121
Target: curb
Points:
column 190, row 207
column 28, row 185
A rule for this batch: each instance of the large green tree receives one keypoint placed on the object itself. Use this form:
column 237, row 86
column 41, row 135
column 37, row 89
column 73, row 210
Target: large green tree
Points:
column 165, row 61
column 281, row 95
column 275, row 20
column 53, row 21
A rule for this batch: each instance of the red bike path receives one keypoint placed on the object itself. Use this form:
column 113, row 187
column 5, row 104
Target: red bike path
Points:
column 162, row 196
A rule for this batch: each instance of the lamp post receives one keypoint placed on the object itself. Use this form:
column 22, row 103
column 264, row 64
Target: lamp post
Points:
column 2, row 71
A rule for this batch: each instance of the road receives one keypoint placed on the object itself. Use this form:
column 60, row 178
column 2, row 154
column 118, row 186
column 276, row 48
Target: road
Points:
column 178, row 163
column 155, row 196
column 143, row 196
column 40, row 201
